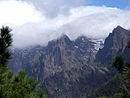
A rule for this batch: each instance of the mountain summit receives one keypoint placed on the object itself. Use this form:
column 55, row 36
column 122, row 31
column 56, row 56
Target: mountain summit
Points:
column 115, row 44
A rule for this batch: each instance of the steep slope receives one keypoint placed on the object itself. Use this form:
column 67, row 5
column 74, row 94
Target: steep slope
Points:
column 118, row 84
column 85, row 49
column 115, row 44
column 77, row 82
column 58, row 55
column 126, row 55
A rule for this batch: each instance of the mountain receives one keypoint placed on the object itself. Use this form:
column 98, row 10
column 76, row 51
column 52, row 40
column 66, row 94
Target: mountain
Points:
column 63, row 65
column 58, row 55
column 65, row 68
column 115, row 44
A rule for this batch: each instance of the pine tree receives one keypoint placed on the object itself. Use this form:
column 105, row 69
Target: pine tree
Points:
column 5, row 43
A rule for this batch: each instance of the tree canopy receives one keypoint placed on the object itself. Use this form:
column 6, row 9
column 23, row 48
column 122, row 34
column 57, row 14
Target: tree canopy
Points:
column 118, row 63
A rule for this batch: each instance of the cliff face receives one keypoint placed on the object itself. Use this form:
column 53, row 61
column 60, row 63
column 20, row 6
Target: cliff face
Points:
column 115, row 44
column 126, row 55
column 77, row 82
column 58, row 55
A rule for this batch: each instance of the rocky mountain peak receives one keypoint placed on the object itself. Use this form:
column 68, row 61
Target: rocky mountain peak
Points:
column 65, row 40
column 65, row 37
column 119, row 29
column 82, row 39
column 114, row 45
column 60, row 42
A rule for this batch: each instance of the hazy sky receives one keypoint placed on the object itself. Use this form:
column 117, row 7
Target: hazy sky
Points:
column 39, row 21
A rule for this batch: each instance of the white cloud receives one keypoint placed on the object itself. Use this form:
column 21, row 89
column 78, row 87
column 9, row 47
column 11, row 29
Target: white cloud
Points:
column 91, row 21
column 51, row 8
column 13, row 12
column 95, row 22
column 32, row 28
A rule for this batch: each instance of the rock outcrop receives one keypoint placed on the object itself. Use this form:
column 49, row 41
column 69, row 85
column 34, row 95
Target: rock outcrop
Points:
column 115, row 45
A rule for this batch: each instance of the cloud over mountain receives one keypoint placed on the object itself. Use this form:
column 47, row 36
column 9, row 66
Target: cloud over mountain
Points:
column 46, row 23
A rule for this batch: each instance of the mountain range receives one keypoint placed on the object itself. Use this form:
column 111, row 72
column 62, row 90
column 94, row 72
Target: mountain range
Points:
column 72, row 69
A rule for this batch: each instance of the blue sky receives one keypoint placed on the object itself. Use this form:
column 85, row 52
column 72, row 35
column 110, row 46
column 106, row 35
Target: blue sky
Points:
column 121, row 4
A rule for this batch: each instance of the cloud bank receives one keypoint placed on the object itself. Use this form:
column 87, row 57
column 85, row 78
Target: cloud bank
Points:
column 52, row 8
column 75, row 20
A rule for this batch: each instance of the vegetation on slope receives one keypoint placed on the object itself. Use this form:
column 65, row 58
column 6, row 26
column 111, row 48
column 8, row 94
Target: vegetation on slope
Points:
column 119, row 86
column 14, row 86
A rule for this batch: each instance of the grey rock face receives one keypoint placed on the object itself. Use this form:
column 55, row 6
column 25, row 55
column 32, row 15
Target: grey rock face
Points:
column 77, row 82
column 114, row 45
column 58, row 55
